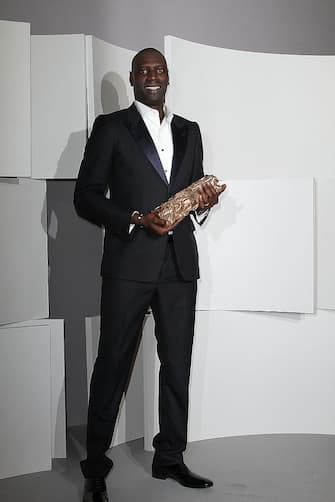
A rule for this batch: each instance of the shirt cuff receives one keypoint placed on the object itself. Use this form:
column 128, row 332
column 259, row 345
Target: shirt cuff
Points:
column 200, row 215
column 132, row 225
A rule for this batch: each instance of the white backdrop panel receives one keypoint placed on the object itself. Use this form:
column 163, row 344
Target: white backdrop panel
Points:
column 108, row 69
column 256, row 248
column 25, row 395
column 261, row 115
column 130, row 424
column 23, row 251
column 325, row 204
column 15, row 138
column 58, row 88
column 255, row 373
column 57, row 381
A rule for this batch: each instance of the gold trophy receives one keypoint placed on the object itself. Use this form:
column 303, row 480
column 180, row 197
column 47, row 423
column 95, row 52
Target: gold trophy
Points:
column 182, row 203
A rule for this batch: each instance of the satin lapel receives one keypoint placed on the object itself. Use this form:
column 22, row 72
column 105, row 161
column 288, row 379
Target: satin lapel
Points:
column 143, row 139
column 179, row 135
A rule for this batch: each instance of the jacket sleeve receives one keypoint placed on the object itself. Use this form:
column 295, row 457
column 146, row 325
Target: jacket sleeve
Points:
column 91, row 187
column 200, row 215
column 198, row 170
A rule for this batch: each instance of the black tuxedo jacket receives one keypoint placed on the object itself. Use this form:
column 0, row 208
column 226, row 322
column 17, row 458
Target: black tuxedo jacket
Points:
column 120, row 156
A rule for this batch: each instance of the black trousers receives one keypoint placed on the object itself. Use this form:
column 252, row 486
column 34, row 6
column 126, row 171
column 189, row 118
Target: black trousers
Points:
column 123, row 307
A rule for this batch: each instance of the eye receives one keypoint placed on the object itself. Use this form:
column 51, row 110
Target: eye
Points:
column 160, row 70
column 143, row 71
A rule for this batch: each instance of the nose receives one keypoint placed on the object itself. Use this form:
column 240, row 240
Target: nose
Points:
column 152, row 74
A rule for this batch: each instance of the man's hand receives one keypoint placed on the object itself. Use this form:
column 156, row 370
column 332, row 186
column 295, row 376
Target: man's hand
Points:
column 208, row 196
column 152, row 222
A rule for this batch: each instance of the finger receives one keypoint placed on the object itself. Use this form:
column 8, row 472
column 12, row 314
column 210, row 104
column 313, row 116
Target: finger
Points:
column 203, row 204
column 210, row 190
column 203, row 195
column 156, row 220
column 202, row 190
column 157, row 229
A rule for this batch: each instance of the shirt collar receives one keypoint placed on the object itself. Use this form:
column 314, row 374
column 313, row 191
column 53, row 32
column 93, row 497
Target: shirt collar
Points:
column 151, row 114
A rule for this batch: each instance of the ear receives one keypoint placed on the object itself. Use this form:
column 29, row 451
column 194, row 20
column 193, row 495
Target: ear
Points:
column 131, row 79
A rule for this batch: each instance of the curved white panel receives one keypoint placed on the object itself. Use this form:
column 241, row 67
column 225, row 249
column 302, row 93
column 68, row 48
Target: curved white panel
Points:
column 15, row 138
column 108, row 69
column 254, row 373
column 262, row 115
column 258, row 373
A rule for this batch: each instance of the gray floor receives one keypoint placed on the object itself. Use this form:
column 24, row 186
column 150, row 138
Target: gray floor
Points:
column 280, row 468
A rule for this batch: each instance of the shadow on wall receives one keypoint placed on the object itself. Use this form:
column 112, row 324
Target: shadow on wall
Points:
column 113, row 93
column 74, row 249
column 72, row 155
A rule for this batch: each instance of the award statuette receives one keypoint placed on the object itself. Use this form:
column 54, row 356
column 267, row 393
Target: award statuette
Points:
column 182, row 203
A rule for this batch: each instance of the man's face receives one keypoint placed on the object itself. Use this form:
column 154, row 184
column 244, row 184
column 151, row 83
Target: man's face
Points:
column 150, row 78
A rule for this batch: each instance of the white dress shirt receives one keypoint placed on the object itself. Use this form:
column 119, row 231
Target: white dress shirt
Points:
column 160, row 133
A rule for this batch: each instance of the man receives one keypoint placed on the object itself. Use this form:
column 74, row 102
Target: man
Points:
column 143, row 155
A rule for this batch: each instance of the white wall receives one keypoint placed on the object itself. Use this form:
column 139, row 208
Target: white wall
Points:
column 56, row 374
column 256, row 249
column 107, row 77
column 266, row 116
column 325, row 247
column 253, row 373
column 15, row 117
column 23, row 250
column 262, row 115
column 58, row 102
column 25, row 394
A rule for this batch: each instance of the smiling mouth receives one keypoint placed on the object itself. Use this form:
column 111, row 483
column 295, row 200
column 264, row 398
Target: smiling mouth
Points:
column 152, row 88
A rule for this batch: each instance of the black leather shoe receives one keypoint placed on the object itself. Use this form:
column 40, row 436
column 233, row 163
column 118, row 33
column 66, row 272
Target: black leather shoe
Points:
column 181, row 474
column 95, row 490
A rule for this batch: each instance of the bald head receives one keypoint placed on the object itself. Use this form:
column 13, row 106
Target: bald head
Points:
column 144, row 52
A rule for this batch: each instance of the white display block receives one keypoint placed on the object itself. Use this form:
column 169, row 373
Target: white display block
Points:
column 57, row 381
column 254, row 373
column 256, row 250
column 108, row 68
column 23, row 251
column 261, row 115
column 130, row 423
column 325, row 210
column 15, row 119
column 58, row 98
column 25, row 395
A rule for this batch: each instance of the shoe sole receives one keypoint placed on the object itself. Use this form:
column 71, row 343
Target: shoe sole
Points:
column 163, row 476
column 159, row 476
